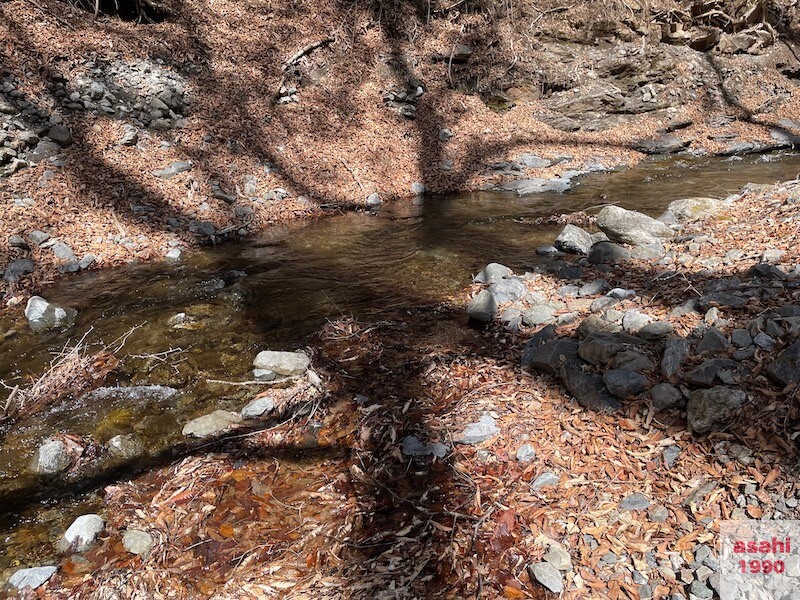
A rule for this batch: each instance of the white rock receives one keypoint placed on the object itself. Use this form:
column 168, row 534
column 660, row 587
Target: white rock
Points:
column 81, row 534
column 32, row 578
column 282, row 363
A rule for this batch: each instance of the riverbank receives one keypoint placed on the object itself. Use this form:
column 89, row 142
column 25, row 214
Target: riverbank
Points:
column 445, row 458
column 132, row 142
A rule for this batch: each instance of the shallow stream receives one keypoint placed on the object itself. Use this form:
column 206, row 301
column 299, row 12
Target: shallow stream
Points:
column 273, row 292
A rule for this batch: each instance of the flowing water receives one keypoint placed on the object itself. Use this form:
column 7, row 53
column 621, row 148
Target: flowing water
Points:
column 273, row 292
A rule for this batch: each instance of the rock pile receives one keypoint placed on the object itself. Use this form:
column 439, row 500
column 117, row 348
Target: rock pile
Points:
column 607, row 345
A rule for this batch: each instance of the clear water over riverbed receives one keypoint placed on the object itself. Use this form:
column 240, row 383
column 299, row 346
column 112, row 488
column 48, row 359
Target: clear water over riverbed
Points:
column 273, row 292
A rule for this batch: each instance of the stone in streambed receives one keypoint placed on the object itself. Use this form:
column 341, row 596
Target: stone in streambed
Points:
column 42, row 315
column 211, row 424
column 282, row 363
column 31, row 578
column 51, row 458
column 573, row 240
column 258, row 407
column 631, row 227
column 81, row 534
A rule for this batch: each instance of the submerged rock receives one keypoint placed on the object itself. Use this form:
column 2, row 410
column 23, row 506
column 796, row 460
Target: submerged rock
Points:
column 51, row 458
column 81, row 534
column 282, row 363
column 125, row 446
column 258, row 407
column 211, row 424
column 42, row 315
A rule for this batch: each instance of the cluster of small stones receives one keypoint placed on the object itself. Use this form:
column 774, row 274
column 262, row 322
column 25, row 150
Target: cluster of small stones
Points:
column 144, row 92
column 620, row 352
column 29, row 132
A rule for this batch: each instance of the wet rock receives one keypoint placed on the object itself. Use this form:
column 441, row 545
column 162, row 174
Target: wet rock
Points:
column 666, row 396
column 630, row 227
column 264, row 375
column 51, row 458
column 712, row 408
column 624, row 383
column 483, row 307
column 692, row 209
column 665, row 144
column 708, row 371
column 536, row 185
column 785, row 369
column 635, row 501
column 547, row 250
column 713, row 342
column 484, row 429
column 60, row 134
column 603, row 253
column 31, row 578
column 412, row 446
column 211, row 424
column 81, row 534
column 42, row 315
column 137, row 542
column 173, row 169
column 173, row 254
column 573, row 240
column 282, row 363
column 526, row 453
column 125, row 447
column 675, row 352
column 548, row 357
column 547, row 575
column 539, row 314
column 258, row 407
column 588, row 389
column 17, row 269
column 546, row 479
